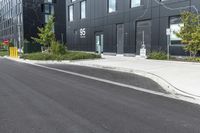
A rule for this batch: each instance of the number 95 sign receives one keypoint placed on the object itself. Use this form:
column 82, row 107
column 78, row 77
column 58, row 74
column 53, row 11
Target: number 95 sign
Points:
column 82, row 33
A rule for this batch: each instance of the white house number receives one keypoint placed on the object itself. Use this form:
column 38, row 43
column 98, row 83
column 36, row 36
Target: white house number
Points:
column 82, row 33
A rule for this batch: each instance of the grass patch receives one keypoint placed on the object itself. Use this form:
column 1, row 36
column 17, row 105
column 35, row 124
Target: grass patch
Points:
column 69, row 55
column 157, row 56
column 193, row 59
column 3, row 53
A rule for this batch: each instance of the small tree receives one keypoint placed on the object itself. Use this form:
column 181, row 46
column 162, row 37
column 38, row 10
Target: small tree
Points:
column 46, row 34
column 190, row 32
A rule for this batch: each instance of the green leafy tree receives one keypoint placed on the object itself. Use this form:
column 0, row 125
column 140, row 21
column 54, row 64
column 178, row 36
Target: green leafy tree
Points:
column 46, row 34
column 190, row 32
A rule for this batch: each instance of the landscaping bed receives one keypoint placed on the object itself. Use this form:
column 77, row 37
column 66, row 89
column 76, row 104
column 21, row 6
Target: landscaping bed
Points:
column 163, row 56
column 3, row 53
column 69, row 55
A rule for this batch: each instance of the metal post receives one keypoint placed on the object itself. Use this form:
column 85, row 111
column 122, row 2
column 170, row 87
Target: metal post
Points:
column 168, row 33
column 19, row 37
column 62, row 38
column 143, row 45
column 168, row 45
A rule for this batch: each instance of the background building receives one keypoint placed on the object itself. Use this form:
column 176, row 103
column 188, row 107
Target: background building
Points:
column 108, row 26
column 121, row 26
column 19, row 20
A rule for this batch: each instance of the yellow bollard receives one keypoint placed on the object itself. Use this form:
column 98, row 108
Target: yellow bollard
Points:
column 10, row 51
column 16, row 53
column 13, row 52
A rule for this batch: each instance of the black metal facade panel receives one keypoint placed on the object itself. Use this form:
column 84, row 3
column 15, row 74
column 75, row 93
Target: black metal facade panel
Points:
column 60, row 20
column 32, row 17
column 99, row 20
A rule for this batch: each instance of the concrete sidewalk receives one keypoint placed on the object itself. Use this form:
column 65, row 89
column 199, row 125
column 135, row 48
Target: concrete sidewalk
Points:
column 176, row 77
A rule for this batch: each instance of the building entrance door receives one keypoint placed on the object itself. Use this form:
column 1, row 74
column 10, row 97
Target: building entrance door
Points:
column 143, row 35
column 120, row 38
column 99, row 39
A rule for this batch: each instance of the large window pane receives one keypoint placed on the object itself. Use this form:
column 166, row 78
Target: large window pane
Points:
column 83, row 9
column 135, row 3
column 71, row 13
column 111, row 6
column 175, row 26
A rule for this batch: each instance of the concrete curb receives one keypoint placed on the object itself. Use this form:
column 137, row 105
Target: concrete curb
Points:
column 161, row 81
column 179, row 62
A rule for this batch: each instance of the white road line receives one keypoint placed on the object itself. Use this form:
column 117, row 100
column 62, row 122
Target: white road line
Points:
column 176, row 97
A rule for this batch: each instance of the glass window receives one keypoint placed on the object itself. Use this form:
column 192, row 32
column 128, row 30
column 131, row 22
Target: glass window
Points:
column 71, row 13
column 111, row 6
column 46, row 8
column 83, row 9
column 135, row 3
column 175, row 26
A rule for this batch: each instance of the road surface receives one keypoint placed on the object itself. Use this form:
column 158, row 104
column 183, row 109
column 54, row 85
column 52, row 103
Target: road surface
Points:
column 38, row 100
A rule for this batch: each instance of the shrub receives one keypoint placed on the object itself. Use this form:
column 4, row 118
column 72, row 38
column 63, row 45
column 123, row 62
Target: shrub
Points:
column 70, row 55
column 193, row 59
column 80, row 55
column 31, row 47
column 3, row 53
column 57, row 48
column 157, row 56
column 38, row 56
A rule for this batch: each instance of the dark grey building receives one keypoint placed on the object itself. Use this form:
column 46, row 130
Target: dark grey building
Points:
column 122, row 26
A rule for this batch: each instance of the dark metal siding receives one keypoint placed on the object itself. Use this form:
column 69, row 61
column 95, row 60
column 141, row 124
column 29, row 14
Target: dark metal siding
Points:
column 32, row 17
column 60, row 20
column 98, row 19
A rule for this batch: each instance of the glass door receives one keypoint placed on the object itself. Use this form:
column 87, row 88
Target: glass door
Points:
column 99, row 40
column 143, row 35
column 120, row 38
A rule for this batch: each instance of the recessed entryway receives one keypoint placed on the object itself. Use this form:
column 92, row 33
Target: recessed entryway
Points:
column 143, row 35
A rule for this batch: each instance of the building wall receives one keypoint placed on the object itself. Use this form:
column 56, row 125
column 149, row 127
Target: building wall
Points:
column 19, row 20
column 57, row 8
column 60, row 20
column 33, row 18
column 11, row 19
column 99, row 20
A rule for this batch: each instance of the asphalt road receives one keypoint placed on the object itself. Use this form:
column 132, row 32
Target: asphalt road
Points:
column 121, row 77
column 38, row 100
